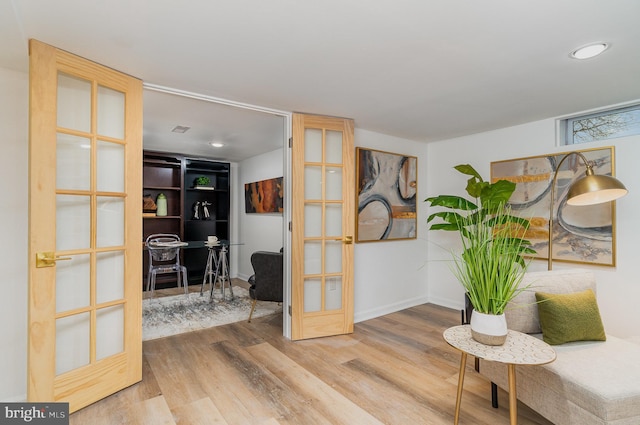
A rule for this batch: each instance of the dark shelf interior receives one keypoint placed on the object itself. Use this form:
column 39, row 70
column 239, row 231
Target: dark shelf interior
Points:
column 174, row 176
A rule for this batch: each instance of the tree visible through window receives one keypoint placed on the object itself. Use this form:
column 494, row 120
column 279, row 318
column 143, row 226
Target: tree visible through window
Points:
column 603, row 126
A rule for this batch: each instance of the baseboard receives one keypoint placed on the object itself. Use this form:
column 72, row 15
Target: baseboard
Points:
column 243, row 277
column 388, row 309
column 447, row 302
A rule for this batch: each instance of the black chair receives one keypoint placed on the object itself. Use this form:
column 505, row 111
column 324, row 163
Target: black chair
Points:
column 266, row 283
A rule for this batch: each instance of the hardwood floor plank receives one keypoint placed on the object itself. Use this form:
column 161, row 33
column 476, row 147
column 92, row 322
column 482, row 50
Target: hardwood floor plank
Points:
column 153, row 411
column 395, row 369
column 236, row 403
column 285, row 404
column 199, row 412
column 328, row 402
column 174, row 371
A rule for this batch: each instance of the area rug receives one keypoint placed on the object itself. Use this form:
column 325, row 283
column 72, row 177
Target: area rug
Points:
column 166, row 316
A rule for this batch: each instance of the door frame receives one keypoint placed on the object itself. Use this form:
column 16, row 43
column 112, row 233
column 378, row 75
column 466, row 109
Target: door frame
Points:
column 233, row 231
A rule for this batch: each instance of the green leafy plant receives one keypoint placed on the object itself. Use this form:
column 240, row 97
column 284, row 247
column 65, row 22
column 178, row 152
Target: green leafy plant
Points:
column 492, row 262
column 203, row 181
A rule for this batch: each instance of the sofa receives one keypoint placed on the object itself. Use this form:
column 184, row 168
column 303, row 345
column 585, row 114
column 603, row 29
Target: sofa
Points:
column 590, row 382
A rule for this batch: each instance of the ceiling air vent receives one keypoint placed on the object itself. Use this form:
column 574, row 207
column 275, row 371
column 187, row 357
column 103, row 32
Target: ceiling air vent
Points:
column 180, row 129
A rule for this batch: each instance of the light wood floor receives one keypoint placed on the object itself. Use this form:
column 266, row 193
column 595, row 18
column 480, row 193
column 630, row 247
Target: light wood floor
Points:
column 394, row 369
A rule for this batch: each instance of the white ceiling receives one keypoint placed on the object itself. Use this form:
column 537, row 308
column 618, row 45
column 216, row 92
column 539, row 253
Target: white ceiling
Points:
column 420, row 69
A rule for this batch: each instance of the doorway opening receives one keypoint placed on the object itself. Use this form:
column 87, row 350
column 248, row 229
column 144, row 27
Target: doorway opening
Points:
column 254, row 142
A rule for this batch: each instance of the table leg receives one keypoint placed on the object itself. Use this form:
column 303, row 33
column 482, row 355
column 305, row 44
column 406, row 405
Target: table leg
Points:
column 223, row 273
column 207, row 272
column 513, row 398
column 463, row 365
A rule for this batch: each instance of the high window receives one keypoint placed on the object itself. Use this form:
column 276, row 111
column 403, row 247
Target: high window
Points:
column 602, row 125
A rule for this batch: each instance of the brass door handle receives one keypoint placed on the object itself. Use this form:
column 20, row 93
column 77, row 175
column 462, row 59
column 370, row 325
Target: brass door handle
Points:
column 347, row 240
column 48, row 259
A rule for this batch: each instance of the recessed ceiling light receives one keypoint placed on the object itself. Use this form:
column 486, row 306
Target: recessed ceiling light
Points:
column 589, row 51
column 180, row 129
column 216, row 144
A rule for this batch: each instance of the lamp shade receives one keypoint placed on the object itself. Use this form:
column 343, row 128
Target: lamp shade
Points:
column 595, row 189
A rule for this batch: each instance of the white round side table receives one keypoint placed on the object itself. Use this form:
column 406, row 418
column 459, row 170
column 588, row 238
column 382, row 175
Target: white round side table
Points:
column 518, row 349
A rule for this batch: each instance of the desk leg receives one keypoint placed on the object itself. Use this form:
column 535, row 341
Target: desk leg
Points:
column 513, row 398
column 463, row 364
column 207, row 271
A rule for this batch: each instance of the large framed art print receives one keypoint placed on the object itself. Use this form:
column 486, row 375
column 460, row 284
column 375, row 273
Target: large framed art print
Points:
column 386, row 195
column 581, row 234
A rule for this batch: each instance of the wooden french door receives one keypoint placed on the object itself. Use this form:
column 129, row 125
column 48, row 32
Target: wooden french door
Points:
column 323, row 220
column 85, row 160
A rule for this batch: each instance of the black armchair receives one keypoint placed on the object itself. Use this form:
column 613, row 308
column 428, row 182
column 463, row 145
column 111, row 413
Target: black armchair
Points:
column 266, row 283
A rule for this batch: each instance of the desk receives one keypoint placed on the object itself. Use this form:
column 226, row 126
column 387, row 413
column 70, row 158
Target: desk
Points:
column 518, row 349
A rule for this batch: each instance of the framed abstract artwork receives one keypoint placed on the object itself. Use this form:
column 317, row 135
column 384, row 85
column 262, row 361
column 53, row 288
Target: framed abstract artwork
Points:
column 386, row 196
column 264, row 196
column 581, row 234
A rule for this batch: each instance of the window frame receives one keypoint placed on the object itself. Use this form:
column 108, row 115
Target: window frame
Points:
column 567, row 137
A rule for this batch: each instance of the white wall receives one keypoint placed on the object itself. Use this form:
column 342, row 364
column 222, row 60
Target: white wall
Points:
column 14, row 179
column 391, row 275
column 258, row 232
column 618, row 287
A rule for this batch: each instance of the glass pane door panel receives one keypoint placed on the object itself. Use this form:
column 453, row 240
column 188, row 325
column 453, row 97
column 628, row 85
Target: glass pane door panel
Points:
column 333, row 293
column 312, row 182
column 109, row 276
column 73, row 222
column 312, row 257
column 334, row 183
column 74, row 103
column 333, row 147
column 333, row 257
column 109, row 331
column 110, row 231
column 312, row 295
column 312, row 145
column 110, row 167
column 110, row 113
column 333, row 220
column 72, row 283
column 312, row 220
column 72, row 342
column 73, row 162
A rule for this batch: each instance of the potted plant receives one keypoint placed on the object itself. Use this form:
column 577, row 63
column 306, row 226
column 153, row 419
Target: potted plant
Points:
column 491, row 263
column 202, row 182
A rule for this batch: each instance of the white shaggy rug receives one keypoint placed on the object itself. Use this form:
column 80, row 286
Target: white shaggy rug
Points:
column 166, row 316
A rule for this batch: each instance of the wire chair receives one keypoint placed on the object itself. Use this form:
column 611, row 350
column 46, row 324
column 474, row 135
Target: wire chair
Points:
column 164, row 257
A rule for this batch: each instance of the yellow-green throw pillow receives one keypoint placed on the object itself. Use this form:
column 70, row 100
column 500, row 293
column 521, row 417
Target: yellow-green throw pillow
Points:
column 569, row 317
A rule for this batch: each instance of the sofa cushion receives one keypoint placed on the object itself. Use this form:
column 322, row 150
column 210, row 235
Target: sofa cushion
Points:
column 522, row 311
column 569, row 317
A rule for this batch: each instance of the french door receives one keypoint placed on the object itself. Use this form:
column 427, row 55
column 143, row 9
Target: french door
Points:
column 85, row 159
column 323, row 220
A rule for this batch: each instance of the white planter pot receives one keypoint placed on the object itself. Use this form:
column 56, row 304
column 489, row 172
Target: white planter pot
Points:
column 489, row 329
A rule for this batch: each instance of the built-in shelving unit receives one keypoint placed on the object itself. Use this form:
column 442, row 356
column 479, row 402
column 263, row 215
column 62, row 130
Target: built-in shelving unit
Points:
column 212, row 200
column 175, row 175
